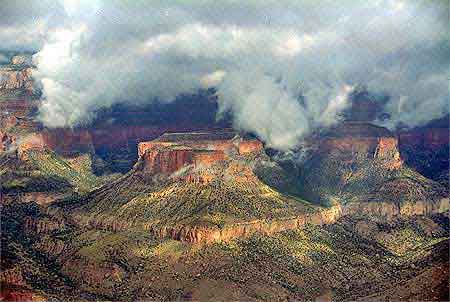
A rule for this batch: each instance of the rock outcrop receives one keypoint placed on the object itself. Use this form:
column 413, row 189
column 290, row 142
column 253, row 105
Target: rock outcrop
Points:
column 42, row 225
column 173, row 151
column 21, row 60
column 18, row 74
column 382, row 211
column 31, row 142
column 6, row 141
column 426, row 149
column 353, row 141
column 16, row 78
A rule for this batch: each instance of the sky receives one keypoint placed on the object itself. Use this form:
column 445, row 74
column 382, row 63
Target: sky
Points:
column 282, row 68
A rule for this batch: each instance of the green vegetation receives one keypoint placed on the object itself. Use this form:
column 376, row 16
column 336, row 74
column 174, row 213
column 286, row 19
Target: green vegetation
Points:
column 77, row 171
column 138, row 199
column 337, row 260
column 298, row 264
column 46, row 171
column 325, row 178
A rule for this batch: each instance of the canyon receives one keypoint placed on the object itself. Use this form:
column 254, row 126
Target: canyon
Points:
column 197, row 208
column 227, row 169
column 116, row 133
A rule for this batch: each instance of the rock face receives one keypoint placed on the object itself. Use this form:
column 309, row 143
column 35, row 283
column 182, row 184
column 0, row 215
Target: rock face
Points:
column 6, row 141
column 18, row 102
column 249, row 146
column 17, row 75
column 68, row 142
column 14, row 78
column 359, row 161
column 431, row 136
column 31, row 142
column 173, row 151
column 353, row 141
column 378, row 211
column 426, row 148
column 21, row 60
column 160, row 160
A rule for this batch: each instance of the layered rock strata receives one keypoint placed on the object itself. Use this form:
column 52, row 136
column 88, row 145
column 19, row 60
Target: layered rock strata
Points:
column 171, row 152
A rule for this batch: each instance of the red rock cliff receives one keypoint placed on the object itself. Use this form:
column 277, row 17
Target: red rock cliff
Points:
column 172, row 152
column 166, row 161
column 353, row 141
column 431, row 139
column 426, row 149
column 6, row 141
column 32, row 142
column 68, row 142
column 12, row 78
column 249, row 146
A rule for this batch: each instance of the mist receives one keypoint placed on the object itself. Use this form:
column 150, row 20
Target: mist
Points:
column 282, row 68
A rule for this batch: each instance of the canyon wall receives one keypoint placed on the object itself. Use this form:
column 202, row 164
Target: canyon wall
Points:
column 173, row 151
column 6, row 141
column 12, row 77
column 382, row 210
column 351, row 149
column 426, row 149
column 432, row 136
column 249, row 146
column 353, row 141
column 167, row 161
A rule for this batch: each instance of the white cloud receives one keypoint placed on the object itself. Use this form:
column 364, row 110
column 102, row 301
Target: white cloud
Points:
column 213, row 79
column 261, row 55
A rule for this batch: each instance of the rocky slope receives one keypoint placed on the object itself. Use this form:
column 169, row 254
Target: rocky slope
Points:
column 18, row 98
column 36, row 174
column 176, row 191
column 355, row 258
column 182, row 225
column 358, row 162
column 207, row 215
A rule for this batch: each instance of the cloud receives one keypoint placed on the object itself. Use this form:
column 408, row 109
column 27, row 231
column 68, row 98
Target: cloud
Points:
column 25, row 24
column 4, row 59
column 282, row 68
column 263, row 106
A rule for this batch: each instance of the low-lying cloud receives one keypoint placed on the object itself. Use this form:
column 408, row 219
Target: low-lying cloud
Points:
column 283, row 68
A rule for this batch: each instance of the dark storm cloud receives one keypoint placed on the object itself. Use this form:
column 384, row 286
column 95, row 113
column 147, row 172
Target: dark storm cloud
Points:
column 25, row 24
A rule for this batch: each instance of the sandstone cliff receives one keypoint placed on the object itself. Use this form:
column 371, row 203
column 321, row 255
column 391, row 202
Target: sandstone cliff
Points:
column 353, row 141
column 173, row 151
column 376, row 211
column 359, row 161
column 216, row 195
column 17, row 75
column 426, row 149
